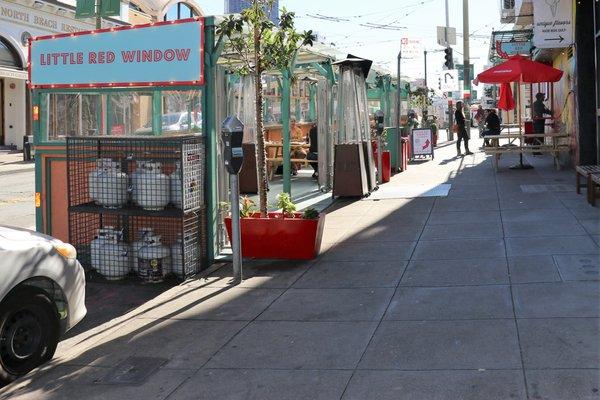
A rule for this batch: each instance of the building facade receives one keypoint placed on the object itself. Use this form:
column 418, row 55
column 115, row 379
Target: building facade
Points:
column 565, row 35
column 237, row 6
column 19, row 21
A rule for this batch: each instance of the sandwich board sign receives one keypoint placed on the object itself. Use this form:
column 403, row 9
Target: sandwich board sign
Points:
column 422, row 142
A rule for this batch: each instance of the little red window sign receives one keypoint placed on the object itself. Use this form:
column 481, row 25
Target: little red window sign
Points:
column 161, row 54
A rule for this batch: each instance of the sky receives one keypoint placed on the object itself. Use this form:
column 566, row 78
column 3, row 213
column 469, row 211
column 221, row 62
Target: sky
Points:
column 414, row 19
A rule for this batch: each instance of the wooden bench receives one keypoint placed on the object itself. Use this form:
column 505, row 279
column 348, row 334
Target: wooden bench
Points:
column 553, row 148
column 593, row 182
column 585, row 171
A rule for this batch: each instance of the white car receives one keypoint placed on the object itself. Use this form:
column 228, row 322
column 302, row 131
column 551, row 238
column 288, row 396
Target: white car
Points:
column 42, row 295
column 175, row 122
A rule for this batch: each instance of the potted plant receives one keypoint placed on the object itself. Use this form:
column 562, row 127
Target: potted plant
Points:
column 256, row 46
column 285, row 234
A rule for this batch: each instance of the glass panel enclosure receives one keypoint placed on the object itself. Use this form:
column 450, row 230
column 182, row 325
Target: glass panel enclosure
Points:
column 182, row 112
column 131, row 113
column 121, row 113
column 72, row 114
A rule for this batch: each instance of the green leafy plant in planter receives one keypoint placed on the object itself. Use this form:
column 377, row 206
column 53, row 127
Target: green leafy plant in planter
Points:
column 286, row 205
column 247, row 207
column 310, row 213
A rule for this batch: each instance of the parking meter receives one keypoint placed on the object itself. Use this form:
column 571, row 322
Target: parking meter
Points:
column 379, row 125
column 232, row 133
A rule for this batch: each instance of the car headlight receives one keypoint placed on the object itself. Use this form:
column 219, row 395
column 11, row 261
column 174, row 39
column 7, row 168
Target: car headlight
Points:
column 66, row 250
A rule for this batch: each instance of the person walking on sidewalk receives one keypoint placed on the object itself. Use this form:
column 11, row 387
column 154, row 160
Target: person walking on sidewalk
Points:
column 461, row 133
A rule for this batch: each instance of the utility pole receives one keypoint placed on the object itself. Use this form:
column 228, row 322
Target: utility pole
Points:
column 425, row 56
column 399, row 103
column 466, row 64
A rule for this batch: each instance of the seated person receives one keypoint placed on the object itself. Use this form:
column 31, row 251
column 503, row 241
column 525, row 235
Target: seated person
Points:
column 492, row 124
column 296, row 151
column 313, row 151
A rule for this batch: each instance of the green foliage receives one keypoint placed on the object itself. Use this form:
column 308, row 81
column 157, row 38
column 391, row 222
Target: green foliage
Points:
column 310, row 213
column 420, row 98
column 285, row 203
column 224, row 207
column 277, row 45
column 247, row 207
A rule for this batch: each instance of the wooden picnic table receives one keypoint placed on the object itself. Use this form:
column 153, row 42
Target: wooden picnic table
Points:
column 554, row 148
column 276, row 158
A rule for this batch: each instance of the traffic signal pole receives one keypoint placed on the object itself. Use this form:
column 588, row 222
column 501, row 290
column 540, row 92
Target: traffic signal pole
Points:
column 449, row 135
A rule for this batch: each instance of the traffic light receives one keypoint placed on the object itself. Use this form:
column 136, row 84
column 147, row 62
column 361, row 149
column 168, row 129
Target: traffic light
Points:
column 449, row 63
column 440, row 83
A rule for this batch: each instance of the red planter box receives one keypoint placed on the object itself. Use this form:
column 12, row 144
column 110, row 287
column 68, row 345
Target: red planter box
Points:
column 276, row 237
column 386, row 167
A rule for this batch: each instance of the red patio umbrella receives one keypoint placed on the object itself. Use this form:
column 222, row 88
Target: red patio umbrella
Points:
column 506, row 100
column 521, row 70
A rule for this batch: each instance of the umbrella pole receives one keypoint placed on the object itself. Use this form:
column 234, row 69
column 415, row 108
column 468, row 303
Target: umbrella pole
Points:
column 520, row 165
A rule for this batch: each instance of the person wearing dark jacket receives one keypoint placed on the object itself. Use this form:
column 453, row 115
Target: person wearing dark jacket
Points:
column 539, row 122
column 492, row 124
column 461, row 133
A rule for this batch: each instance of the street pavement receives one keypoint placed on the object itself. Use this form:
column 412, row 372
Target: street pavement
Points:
column 17, row 189
column 489, row 293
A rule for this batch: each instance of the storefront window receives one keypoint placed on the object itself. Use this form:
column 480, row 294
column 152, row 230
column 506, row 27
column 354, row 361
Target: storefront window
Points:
column 73, row 114
column 9, row 56
column 179, row 11
column 182, row 112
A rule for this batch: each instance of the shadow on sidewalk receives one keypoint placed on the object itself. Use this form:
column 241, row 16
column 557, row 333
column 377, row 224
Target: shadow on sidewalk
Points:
column 186, row 326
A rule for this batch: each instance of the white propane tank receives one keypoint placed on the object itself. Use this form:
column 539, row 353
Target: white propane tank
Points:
column 94, row 178
column 176, row 187
column 112, row 186
column 151, row 188
column 139, row 168
column 153, row 260
column 110, row 257
column 137, row 245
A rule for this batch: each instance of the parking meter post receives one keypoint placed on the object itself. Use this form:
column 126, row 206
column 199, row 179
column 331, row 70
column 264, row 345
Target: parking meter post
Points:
column 236, row 236
column 379, row 120
column 232, row 133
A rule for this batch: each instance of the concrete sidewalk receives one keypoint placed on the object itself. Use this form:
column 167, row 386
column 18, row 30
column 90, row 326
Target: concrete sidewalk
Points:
column 489, row 293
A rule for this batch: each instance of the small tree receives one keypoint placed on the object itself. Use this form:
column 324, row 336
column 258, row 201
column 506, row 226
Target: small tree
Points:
column 260, row 47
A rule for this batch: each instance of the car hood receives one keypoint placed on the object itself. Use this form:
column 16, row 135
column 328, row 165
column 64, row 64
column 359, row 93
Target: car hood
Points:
column 18, row 238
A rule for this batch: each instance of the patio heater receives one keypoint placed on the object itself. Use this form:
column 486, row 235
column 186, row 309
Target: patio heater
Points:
column 354, row 167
